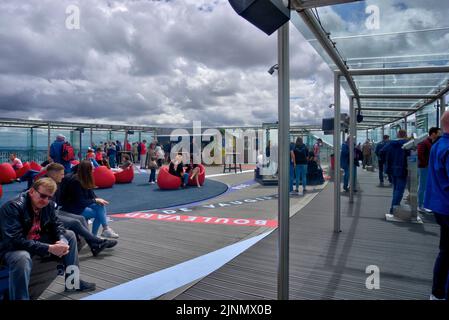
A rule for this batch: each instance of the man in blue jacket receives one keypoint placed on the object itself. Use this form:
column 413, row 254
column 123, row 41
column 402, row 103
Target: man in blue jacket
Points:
column 437, row 199
column 56, row 152
column 396, row 160
column 344, row 163
column 381, row 160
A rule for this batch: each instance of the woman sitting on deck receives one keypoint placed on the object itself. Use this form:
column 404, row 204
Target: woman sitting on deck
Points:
column 78, row 197
column 194, row 169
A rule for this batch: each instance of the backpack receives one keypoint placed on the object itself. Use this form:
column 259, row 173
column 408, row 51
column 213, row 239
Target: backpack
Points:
column 301, row 154
column 68, row 153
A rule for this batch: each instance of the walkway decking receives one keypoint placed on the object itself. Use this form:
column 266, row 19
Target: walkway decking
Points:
column 149, row 246
column 326, row 265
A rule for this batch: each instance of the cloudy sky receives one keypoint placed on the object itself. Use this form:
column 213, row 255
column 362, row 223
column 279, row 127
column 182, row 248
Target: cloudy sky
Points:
column 149, row 62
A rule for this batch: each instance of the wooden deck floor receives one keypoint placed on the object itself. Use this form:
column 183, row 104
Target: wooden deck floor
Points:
column 326, row 265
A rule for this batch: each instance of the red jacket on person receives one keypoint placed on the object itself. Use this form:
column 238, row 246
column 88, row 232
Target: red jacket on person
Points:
column 424, row 153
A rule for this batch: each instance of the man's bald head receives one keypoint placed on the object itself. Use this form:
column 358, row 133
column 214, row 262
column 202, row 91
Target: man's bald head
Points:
column 445, row 121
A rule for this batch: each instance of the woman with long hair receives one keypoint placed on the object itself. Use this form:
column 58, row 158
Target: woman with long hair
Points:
column 78, row 197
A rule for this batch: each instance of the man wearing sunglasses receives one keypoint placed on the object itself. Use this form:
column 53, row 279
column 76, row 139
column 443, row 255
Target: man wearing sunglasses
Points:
column 30, row 227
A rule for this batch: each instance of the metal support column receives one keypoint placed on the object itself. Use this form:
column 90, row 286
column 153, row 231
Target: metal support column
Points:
column 337, row 144
column 405, row 124
column 80, row 155
column 48, row 142
column 351, row 149
column 91, row 138
column 284, row 161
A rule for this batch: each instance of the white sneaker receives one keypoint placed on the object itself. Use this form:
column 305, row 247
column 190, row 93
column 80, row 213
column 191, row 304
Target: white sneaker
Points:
column 109, row 233
column 424, row 210
column 432, row 297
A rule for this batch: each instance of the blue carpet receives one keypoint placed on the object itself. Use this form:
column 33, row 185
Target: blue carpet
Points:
column 139, row 195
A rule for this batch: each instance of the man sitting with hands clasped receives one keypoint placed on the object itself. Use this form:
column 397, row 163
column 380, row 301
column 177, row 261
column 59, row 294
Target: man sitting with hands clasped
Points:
column 29, row 227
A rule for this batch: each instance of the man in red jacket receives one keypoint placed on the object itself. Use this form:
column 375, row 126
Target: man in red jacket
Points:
column 423, row 162
column 143, row 154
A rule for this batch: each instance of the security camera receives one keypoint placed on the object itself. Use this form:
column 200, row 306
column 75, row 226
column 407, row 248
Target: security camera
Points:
column 271, row 70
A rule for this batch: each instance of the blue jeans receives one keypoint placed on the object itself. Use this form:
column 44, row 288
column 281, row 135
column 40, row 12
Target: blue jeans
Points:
column 399, row 184
column 29, row 177
column 112, row 161
column 20, row 264
column 301, row 171
column 185, row 179
column 98, row 212
column 422, row 173
column 292, row 173
column 440, row 286
column 346, row 178
column 381, row 173
column 152, row 175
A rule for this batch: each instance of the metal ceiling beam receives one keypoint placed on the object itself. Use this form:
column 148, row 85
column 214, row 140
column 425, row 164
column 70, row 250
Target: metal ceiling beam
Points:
column 389, row 71
column 329, row 46
column 309, row 4
column 398, row 96
column 387, row 109
column 381, row 117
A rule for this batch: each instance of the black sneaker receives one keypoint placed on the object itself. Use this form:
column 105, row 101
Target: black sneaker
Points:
column 110, row 243
column 97, row 248
column 84, row 286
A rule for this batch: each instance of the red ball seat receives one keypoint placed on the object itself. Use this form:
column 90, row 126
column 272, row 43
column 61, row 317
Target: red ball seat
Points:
column 103, row 177
column 125, row 176
column 167, row 181
column 201, row 176
column 35, row 166
column 20, row 172
column 7, row 173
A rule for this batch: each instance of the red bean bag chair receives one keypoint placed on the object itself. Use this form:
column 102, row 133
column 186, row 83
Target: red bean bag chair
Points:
column 74, row 163
column 125, row 176
column 103, row 177
column 167, row 181
column 26, row 167
column 7, row 173
column 201, row 176
column 35, row 166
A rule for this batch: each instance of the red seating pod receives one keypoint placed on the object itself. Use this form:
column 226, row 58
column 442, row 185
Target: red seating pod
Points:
column 35, row 166
column 103, row 177
column 167, row 181
column 20, row 172
column 125, row 176
column 7, row 173
column 201, row 176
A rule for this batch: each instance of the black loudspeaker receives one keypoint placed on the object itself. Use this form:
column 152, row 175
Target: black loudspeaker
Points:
column 267, row 15
column 359, row 118
column 328, row 126
column 130, row 132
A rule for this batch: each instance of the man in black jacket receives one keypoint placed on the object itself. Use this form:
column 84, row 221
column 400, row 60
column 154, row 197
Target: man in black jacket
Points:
column 29, row 226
